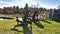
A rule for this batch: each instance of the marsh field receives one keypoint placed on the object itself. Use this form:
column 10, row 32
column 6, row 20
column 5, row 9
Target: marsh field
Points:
column 50, row 27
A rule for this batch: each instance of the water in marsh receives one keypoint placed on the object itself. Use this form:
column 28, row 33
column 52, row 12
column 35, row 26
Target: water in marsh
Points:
column 1, row 19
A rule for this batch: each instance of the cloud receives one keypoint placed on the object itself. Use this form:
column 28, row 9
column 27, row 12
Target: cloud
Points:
column 6, row 3
column 8, row 0
column 46, row 6
column 21, row 3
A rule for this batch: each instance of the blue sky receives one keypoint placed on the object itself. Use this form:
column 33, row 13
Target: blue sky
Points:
column 21, row 3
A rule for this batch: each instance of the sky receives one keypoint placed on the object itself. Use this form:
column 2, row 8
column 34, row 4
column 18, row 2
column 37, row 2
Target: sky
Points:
column 21, row 3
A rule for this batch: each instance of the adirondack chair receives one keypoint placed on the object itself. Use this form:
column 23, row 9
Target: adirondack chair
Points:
column 29, row 20
column 33, row 17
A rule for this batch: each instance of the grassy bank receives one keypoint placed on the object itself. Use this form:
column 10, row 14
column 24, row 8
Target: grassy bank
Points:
column 11, row 15
column 50, row 27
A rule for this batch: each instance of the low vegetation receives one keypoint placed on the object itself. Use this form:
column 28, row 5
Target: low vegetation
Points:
column 50, row 27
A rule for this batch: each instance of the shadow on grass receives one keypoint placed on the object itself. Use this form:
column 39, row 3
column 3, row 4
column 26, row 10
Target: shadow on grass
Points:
column 6, row 17
column 16, row 30
column 37, row 23
column 58, row 21
column 46, row 21
column 26, row 30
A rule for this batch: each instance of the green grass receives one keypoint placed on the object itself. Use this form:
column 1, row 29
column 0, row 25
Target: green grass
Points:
column 53, row 28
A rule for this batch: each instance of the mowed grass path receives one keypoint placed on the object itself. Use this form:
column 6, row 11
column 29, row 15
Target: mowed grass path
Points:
column 50, row 27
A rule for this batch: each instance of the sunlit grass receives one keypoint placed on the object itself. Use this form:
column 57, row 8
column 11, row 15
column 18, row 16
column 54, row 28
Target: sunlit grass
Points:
column 53, row 28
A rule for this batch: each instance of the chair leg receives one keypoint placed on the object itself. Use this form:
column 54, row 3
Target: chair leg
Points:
column 17, row 23
column 16, row 26
column 31, row 26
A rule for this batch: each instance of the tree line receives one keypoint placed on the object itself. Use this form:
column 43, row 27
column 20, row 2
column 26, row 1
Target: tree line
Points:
column 17, row 10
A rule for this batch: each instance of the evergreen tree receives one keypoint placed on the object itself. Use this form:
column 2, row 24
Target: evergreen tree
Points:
column 17, row 9
column 4, row 10
column 14, row 9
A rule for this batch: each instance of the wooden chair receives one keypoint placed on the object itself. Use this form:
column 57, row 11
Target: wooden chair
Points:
column 29, row 20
